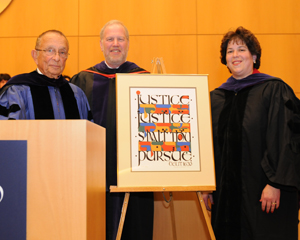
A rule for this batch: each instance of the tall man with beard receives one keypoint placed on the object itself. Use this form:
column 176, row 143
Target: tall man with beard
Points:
column 98, row 83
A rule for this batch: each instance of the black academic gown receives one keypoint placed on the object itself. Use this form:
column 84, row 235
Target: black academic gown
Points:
column 38, row 85
column 98, row 83
column 256, row 142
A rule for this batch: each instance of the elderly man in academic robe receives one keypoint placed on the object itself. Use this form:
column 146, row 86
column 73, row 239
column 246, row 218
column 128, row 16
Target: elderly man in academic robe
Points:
column 44, row 93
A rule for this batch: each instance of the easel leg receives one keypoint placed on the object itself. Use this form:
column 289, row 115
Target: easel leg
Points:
column 173, row 220
column 123, row 214
column 207, row 219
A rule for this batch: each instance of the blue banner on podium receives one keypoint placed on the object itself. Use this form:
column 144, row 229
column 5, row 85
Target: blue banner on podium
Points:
column 13, row 182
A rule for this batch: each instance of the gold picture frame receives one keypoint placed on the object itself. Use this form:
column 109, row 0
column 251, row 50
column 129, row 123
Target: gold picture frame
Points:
column 164, row 134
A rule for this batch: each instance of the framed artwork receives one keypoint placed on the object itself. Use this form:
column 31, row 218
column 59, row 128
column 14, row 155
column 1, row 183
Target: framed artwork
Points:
column 164, row 136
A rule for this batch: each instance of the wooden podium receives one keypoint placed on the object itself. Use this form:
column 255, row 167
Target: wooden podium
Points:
column 65, row 177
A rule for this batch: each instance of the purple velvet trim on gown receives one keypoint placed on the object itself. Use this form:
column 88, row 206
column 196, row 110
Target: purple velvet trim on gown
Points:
column 236, row 85
column 101, row 89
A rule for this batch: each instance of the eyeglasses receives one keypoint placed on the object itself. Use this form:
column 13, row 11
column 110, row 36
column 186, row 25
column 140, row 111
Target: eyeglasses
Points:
column 52, row 52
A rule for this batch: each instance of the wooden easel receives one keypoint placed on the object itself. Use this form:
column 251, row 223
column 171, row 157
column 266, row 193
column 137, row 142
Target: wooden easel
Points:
column 158, row 65
column 160, row 189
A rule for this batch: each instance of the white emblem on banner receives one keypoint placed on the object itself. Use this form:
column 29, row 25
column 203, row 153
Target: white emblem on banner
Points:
column 1, row 193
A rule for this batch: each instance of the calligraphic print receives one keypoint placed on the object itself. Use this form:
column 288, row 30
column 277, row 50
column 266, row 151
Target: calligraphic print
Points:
column 164, row 129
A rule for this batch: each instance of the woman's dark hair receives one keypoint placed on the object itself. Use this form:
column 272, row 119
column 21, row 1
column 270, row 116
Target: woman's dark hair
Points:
column 247, row 37
column 4, row 76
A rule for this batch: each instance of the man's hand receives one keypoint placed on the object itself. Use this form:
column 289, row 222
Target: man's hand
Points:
column 207, row 196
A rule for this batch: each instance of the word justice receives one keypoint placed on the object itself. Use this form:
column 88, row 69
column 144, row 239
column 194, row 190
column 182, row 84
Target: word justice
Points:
column 163, row 118
column 163, row 99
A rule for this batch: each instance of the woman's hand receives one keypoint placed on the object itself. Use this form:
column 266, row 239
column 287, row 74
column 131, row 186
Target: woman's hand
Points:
column 207, row 196
column 270, row 198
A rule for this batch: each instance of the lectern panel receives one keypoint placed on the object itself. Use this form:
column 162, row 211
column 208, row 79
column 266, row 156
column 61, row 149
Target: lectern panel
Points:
column 13, row 175
column 65, row 177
